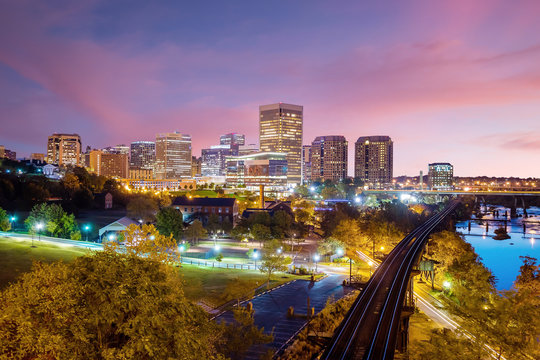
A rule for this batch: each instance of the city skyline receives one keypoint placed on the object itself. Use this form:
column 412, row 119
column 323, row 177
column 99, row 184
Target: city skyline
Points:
column 438, row 85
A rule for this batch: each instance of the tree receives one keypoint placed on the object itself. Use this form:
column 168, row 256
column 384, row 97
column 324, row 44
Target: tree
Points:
column 330, row 192
column 237, row 289
column 261, row 233
column 330, row 246
column 169, row 221
column 5, row 224
column 226, row 225
column 446, row 344
column 142, row 207
column 239, row 336
column 83, row 198
column 272, row 260
column 55, row 220
column 195, row 231
column 281, row 224
column 71, row 184
column 213, row 224
column 104, row 306
column 348, row 232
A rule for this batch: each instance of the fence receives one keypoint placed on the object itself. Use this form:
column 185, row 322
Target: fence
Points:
column 217, row 264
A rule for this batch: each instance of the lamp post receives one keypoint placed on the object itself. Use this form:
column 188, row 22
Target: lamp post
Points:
column 39, row 226
column 86, row 230
column 316, row 258
column 181, row 249
column 370, row 264
column 12, row 219
column 255, row 257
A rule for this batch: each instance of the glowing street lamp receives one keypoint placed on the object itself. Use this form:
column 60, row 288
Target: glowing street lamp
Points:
column 317, row 257
column 86, row 230
column 255, row 257
column 370, row 264
column 111, row 237
column 217, row 248
column 39, row 226
column 279, row 250
column 12, row 219
column 339, row 252
column 181, row 249
column 446, row 285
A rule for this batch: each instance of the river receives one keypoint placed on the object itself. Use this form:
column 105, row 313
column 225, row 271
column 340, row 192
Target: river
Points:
column 502, row 256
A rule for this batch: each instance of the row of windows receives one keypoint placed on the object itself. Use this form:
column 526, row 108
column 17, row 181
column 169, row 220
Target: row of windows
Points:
column 207, row 209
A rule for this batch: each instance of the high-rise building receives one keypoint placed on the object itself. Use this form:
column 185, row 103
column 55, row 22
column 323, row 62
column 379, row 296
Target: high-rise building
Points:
column 373, row 160
column 173, row 156
column 196, row 164
column 213, row 159
column 6, row 153
column 64, row 149
column 441, row 176
column 306, row 164
column 109, row 164
column 265, row 168
column 143, row 155
column 248, row 149
column 38, row 157
column 280, row 130
column 329, row 158
column 117, row 149
column 232, row 139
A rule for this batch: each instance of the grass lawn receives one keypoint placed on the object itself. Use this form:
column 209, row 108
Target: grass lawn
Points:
column 16, row 256
column 201, row 283
column 208, row 284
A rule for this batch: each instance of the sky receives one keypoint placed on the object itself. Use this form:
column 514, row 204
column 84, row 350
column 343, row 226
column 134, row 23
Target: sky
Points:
column 449, row 81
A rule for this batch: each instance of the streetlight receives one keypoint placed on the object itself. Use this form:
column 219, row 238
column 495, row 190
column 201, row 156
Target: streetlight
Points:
column 317, row 257
column 111, row 237
column 339, row 252
column 12, row 219
column 255, row 257
column 39, row 226
column 370, row 264
column 217, row 248
column 86, row 230
column 446, row 285
column 279, row 250
column 181, row 249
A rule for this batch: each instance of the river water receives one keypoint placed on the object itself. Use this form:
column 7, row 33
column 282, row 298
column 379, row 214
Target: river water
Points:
column 502, row 256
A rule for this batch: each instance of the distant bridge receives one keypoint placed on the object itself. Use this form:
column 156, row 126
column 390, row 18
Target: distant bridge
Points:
column 453, row 192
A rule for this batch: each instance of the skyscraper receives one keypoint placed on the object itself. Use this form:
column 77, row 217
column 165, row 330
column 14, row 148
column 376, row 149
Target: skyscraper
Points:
column 329, row 158
column 109, row 164
column 232, row 139
column 64, row 149
column 173, row 156
column 441, row 176
column 143, row 154
column 306, row 164
column 213, row 159
column 280, row 130
column 373, row 160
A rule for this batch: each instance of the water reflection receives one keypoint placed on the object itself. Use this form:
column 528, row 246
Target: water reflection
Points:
column 502, row 256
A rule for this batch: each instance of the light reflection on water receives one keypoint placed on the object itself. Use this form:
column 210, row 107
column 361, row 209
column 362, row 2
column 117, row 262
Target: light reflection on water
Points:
column 500, row 256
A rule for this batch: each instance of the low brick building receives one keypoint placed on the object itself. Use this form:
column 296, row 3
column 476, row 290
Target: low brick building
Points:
column 201, row 208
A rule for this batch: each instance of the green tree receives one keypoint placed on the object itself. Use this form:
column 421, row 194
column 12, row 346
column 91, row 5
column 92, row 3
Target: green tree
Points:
column 104, row 306
column 281, row 224
column 261, row 233
column 142, row 207
column 56, row 221
column 226, row 225
column 71, row 184
column 448, row 345
column 213, row 224
column 330, row 192
column 348, row 232
column 195, row 232
column 272, row 260
column 169, row 221
column 5, row 224
column 239, row 336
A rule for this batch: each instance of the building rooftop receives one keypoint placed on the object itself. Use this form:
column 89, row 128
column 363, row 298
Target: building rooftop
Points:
column 203, row 201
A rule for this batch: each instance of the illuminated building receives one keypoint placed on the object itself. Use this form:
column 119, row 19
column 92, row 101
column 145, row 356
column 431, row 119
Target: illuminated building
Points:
column 173, row 156
column 196, row 163
column 373, row 160
column 248, row 149
column 37, row 156
column 265, row 168
column 201, row 208
column 213, row 159
column 110, row 165
column 6, row 153
column 306, row 164
column 138, row 173
column 441, row 176
column 329, row 158
column 280, row 130
column 143, row 155
column 232, row 139
column 159, row 184
column 64, row 149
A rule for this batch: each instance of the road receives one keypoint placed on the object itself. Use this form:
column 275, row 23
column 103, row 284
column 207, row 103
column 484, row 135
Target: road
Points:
column 271, row 308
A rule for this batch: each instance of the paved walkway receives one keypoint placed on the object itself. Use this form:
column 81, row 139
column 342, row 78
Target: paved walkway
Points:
column 271, row 308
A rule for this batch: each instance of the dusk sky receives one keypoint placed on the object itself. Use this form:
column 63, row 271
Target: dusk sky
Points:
column 450, row 81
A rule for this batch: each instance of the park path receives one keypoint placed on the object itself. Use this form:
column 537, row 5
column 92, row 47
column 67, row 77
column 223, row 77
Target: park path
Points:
column 271, row 308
